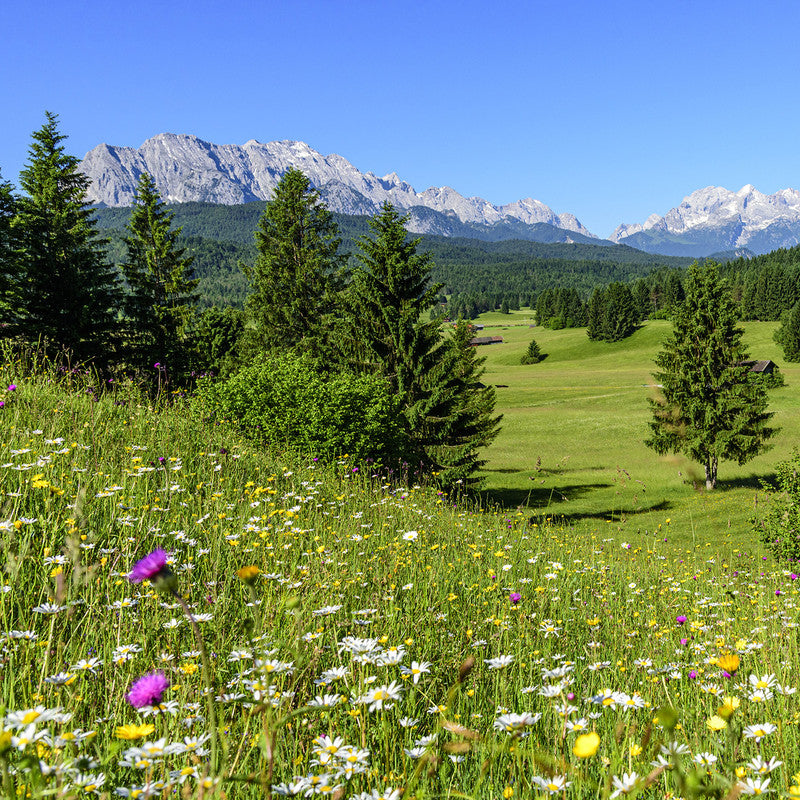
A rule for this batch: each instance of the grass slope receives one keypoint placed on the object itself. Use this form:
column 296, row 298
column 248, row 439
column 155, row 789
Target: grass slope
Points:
column 574, row 426
column 383, row 642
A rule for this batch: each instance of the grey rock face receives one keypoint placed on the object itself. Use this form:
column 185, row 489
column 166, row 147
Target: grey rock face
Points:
column 186, row 169
column 714, row 219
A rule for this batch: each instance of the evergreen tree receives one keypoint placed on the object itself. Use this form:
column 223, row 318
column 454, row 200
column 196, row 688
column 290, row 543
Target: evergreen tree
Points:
column 8, row 256
column 612, row 314
column 63, row 292
column 447, row 413
column 594, row 323
column 161, row 284
column 673, row 290
column 641, row 299
column 217, row 337
column 298, row 273
column 533, row 355
column 619, row 313
column 712, row 408
column 788, row 335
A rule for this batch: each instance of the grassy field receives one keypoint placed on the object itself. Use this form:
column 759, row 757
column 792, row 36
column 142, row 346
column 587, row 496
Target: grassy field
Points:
column 574, row 426
column 187, row 617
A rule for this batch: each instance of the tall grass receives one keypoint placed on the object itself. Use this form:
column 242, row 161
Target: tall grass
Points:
column 363, row 638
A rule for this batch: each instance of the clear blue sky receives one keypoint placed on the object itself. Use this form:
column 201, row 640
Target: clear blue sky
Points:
column 609, row 110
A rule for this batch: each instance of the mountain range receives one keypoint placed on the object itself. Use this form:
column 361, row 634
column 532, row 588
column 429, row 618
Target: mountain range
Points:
column 188, row 169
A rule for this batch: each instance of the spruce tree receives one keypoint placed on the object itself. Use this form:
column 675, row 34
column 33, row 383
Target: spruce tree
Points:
column 64, row 292
column 8, row 255
column 594, row 314
column 619, row 313
column 298, row 273
column 533, row 355
column 162, row 287
column 788, row 335
column 712, row 407
column 448, row 413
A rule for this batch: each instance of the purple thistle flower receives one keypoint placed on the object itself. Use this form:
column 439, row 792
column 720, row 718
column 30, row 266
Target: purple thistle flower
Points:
column 147, row 690
column 515, row 597
column 148, row 567
column 12, row 387
column 680, row 620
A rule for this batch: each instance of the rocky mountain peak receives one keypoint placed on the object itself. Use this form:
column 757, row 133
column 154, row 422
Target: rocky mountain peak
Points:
column 186, row 168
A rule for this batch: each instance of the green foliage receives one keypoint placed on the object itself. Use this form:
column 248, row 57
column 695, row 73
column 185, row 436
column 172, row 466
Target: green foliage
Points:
column 471, row 424
column 61, row 290
column 297, row 275
column 217, row 336
column 612, row 314
column 712, row 407
column 788, row 335
column 478, row 274
column 283, row 400
column 533, row 355
column 560, row 308
column 162, row 289
column 389, row 333
column 8, row 208
column 779, row 528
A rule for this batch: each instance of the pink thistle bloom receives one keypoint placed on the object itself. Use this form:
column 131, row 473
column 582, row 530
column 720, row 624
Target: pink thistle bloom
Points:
column 147, row 690
column 515, row 597
column 148, row 567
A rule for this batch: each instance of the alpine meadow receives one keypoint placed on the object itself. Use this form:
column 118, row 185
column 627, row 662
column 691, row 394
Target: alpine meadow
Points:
column 298, row 502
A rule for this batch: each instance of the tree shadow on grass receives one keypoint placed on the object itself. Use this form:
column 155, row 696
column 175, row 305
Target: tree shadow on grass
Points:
column 533, row 471
column 536, row 496
column 745, row 482
column 609, row 515
column 542, row 504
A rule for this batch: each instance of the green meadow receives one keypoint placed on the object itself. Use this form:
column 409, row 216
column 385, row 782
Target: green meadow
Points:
column 186, row 616
column 572, row 440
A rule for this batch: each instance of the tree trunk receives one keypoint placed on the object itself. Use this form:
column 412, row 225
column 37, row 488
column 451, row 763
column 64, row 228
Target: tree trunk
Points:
column 711, row 474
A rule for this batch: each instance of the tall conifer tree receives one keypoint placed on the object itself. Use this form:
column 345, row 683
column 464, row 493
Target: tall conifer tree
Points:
column 713, row 408
column 8, row 255
column 298, row 273
column 64, row 293
column 448, row 414
column 162, row 287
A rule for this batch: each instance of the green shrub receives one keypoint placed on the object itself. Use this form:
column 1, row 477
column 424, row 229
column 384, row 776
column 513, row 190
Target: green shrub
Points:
column 533, row 355
column 779, row 527
column 285, row 400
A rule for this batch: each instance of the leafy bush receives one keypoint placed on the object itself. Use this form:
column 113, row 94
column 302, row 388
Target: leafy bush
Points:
column 779, row 527
column 287, row 401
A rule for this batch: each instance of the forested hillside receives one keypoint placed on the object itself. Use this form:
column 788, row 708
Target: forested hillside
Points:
column 477, row 273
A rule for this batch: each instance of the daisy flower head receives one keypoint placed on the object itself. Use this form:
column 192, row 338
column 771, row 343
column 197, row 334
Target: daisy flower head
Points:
column 758, row 732
column 147, row 691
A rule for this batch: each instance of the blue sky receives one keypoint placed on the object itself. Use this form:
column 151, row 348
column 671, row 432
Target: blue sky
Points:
column 611, row 111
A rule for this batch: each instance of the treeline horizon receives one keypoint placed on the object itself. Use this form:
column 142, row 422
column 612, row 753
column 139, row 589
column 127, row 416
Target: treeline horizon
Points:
column 478, row 275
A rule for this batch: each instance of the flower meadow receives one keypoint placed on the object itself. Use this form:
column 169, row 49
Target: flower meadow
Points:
column 186, row 617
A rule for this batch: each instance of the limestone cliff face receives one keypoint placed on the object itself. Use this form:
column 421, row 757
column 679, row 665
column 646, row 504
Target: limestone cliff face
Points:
column 186, row 169
column 717, row 219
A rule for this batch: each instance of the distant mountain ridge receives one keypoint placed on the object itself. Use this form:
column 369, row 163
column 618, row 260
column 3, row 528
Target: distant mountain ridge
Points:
column 188, row 169
column 716, row 219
